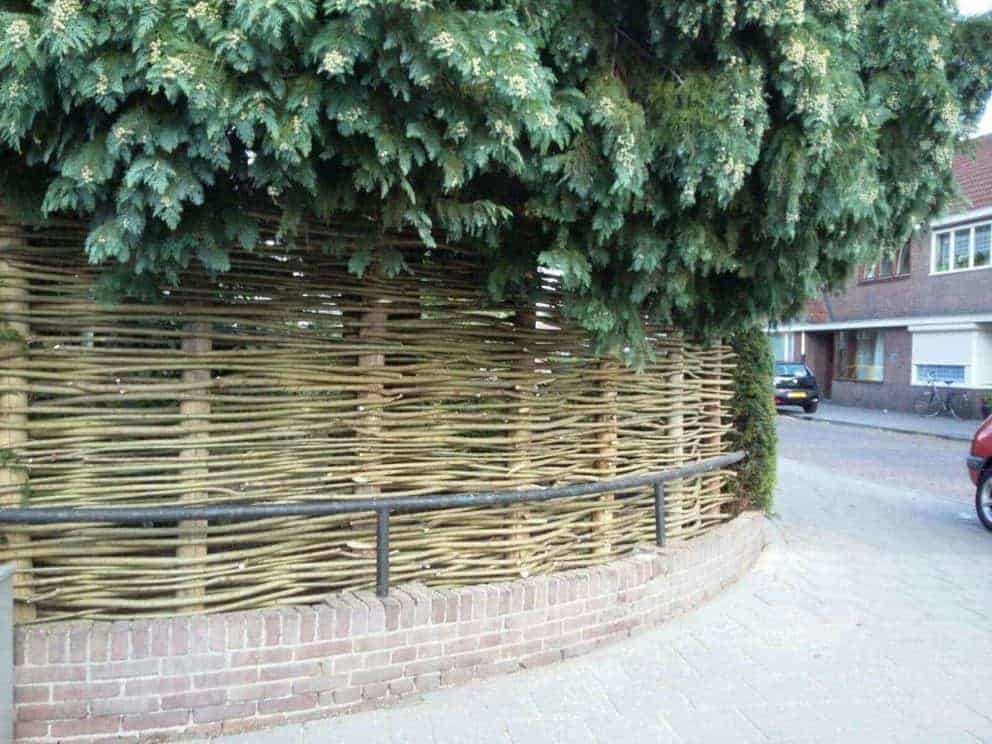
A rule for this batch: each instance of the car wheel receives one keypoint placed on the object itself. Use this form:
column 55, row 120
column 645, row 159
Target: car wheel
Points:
column 811, row 407
column 983, row 499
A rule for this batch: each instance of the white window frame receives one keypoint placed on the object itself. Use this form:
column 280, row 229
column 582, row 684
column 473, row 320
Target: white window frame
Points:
column 971, row 249
column 918, row 380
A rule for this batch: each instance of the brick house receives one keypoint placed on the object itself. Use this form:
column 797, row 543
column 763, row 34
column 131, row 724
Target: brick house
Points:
column 926, row 311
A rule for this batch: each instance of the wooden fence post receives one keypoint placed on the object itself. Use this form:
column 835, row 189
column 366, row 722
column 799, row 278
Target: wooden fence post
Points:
column 14, row 419
column 371, row 330
column 675, row 491
column 521, row 437
column 195, row 411
column 606, row 467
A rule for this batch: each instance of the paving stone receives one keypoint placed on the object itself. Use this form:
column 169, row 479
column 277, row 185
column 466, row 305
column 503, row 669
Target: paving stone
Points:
column 868, row 619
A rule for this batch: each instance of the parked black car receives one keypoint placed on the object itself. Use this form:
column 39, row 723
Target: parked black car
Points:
column 795, row 385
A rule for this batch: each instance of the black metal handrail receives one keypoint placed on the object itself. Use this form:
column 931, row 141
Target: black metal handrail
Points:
column 382, row 506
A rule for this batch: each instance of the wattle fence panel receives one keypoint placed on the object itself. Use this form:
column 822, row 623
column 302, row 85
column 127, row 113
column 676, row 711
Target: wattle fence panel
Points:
column 289, row 379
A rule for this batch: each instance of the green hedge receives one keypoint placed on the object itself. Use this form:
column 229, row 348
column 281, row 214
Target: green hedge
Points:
column 754, row 417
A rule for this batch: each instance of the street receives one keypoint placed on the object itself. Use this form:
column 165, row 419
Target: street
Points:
column 867, row 619
column 918, row 464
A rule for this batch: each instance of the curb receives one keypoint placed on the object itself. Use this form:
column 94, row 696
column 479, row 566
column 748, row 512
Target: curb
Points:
column 877, row 427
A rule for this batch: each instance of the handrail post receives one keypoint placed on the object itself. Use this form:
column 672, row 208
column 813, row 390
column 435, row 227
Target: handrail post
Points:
column 382, row 553
column 659, row 514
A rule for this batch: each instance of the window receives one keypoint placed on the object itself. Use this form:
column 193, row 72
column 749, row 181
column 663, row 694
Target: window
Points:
column 782, row 346
column 888, row 267
column 962, row 249
column 791, row 370
column 859, row 355
column 983, row 239
column 940, row 372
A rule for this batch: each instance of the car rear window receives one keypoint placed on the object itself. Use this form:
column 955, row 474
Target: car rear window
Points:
column 790, row 370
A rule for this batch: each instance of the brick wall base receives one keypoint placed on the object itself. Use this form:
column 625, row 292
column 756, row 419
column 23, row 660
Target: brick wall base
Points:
column 206, row 675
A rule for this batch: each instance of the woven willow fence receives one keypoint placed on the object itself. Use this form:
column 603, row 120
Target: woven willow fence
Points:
column 291, row 380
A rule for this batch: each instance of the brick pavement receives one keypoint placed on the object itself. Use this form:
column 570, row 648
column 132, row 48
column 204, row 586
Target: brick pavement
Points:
column 868, row 619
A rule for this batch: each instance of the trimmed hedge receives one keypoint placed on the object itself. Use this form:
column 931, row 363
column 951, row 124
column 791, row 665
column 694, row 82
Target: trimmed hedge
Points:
column 753, row 406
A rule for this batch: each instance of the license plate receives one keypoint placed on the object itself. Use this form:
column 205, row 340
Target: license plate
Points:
column 797, row 395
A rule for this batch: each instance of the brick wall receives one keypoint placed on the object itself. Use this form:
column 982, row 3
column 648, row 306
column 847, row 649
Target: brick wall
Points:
column 915, row 295
column 206, row 675
column 896, row 392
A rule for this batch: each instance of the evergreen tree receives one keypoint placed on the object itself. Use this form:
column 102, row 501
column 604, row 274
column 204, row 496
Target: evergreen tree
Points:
column 697, row 162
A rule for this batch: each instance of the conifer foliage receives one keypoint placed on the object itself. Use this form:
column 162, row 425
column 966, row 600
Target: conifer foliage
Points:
column 701, row 162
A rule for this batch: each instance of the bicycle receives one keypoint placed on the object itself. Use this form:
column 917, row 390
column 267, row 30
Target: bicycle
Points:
column 932, row 403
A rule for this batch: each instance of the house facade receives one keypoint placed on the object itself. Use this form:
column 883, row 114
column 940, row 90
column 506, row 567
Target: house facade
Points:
column 925, row 313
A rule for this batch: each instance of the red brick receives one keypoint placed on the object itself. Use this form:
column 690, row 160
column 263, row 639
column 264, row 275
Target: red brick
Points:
column 266, row 690
column 290, row 627
column 32, row 693
column 119, row 669
column 273, row 628
column 141, row 640
column 155, row 721
column 540, row 659
column 179, row 636
column 225, row 678
column 217, row 633
column 347, row 695
column 38, row 675
column 223, row 712
column 474, row 658
column 85, row 691
column 235, row 630
column 289, row 671
column 376, row 612
column 325, row 620
column 401, row 686
column 460, row 646
column 391, row 607
column 320, row 684
column 286, row 704
column 345, row 664
column 199, row 634
column 89, row 726
column 323, row 650
column 195, row 699
column 117, row 706
column 430, row 650
column 160, row 638
column 438, row 606
column 438, row 664
column 120, row 638
column 78, row 639
column 37, row 647
column 375, row 691
column 261, row 656
column 51, row 711
column 156, row 686
column 376, row 659
column 369, row 676
column 402, row 655
column 254, row 630
column 30, row 729
column 178, row 665
column 308, row 625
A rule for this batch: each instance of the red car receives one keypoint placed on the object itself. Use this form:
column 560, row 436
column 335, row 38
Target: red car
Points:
column 980, row 470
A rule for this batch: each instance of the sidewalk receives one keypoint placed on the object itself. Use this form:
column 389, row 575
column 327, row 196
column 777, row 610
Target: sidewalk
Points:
column 867, row 619
column 907, row 423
